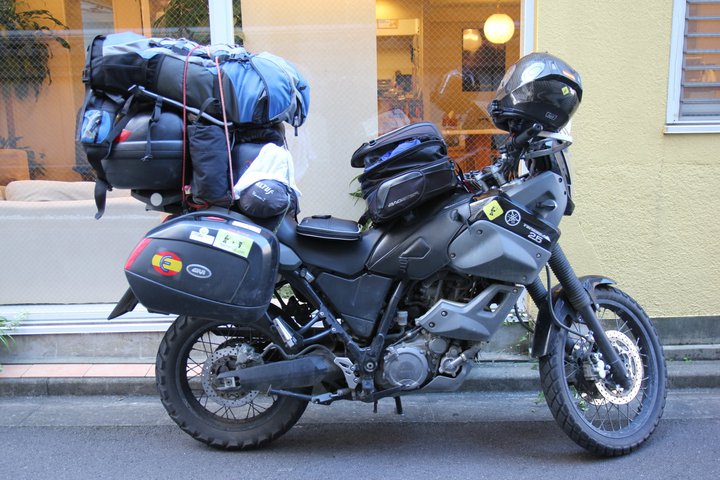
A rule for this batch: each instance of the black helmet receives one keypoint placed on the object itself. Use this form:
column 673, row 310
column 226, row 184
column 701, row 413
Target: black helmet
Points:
column 538, row 88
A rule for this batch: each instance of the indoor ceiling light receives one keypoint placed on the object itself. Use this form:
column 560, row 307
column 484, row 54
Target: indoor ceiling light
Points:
column 471, row 39
column 499, row 28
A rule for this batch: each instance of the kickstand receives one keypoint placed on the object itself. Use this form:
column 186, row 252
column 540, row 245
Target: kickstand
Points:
column 398, row 406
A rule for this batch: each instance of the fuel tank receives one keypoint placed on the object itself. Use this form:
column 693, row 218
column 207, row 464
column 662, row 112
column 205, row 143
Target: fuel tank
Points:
column 418, row 247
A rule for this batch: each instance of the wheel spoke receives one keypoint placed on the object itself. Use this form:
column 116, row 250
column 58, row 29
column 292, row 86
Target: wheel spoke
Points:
column 607, row 408
column 211, row 346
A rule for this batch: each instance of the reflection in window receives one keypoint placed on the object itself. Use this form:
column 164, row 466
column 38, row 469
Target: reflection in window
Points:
column 436, row 63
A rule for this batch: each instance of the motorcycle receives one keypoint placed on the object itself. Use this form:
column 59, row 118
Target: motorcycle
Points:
column 272, row 319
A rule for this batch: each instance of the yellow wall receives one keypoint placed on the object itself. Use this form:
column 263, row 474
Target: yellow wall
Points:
column 646, row 201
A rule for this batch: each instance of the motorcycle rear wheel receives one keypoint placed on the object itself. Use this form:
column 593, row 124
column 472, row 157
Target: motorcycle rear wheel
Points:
column 592, row 410
column 191, row 353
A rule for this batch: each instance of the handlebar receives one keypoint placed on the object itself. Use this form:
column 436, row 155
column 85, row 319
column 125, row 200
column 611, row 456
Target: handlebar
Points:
column 522, row 139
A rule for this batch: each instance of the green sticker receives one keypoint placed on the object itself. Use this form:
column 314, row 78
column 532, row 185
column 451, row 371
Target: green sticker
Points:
column 493, row 210
column 233, row 242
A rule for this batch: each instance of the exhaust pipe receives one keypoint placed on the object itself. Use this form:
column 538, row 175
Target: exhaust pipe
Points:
column 300, row 372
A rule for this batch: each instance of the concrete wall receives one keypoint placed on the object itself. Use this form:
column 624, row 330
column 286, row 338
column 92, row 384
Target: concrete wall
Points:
column 646, row 201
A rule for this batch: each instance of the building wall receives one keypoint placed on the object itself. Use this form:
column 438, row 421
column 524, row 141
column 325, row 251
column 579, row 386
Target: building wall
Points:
column 646, row 201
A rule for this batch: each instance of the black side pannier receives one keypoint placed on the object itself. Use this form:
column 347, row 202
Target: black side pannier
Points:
column 403, row 169
column 215, row 264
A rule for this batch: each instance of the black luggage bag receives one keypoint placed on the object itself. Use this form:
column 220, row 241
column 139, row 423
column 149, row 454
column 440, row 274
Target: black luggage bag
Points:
column 370, row 153
column 403, row 169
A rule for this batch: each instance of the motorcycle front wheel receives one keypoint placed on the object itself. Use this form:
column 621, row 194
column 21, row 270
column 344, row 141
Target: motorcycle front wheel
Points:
column 192, row 353
column 591, row 409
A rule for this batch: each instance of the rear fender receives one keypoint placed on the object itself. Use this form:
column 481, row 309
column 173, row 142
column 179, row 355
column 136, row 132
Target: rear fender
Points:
column 544, row 328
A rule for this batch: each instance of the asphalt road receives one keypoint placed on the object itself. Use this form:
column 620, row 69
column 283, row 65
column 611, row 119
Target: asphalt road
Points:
column 462, row 436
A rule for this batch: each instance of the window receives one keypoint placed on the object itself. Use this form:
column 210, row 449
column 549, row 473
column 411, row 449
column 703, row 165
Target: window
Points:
column 694, row 80
column 441, row 61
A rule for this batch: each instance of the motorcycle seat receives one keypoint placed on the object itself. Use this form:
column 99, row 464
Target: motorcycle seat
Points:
column 323, row 248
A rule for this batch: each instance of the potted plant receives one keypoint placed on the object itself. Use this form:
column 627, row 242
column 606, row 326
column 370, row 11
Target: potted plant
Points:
column 24, row 55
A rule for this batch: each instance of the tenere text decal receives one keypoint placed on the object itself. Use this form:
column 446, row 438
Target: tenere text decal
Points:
column 166, row 263
column 233, row 242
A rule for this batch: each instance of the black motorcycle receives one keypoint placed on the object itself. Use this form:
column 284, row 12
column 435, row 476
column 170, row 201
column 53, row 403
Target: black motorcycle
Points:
column 276, row 314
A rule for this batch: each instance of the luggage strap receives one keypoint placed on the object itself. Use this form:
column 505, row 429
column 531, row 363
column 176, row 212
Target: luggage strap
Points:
column 233, row 196
column 102, row 186
column 154, row 118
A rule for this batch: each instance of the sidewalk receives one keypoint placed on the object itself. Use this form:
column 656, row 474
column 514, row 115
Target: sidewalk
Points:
column 139, row 378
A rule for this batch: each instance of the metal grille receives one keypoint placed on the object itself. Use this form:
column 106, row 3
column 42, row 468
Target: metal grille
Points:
column 700, row 94
column 436, row 63
column 423, row 60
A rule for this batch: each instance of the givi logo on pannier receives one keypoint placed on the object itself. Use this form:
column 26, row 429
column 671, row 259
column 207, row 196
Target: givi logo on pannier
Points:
column 198, row 271
column 167, row 263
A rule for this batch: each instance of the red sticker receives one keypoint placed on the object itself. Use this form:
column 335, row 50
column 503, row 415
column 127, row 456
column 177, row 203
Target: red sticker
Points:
column 167, row 263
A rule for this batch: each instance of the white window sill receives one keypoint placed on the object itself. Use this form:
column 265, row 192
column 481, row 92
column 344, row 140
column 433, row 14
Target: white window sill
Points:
column 672, row 128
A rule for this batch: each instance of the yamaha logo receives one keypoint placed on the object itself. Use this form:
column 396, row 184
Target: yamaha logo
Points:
column 198, row 271
column 512, row 217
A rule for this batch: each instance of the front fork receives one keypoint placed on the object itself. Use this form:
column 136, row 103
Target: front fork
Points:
column 581, row 301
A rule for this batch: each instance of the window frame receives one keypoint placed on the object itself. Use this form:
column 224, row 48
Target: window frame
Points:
column 673, row 124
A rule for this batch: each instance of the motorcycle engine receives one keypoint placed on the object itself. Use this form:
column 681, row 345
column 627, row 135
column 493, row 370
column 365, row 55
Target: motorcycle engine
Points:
column 411, row 363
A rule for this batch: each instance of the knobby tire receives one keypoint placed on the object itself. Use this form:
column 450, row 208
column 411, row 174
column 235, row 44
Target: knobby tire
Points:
column 602, row 426
column 202, row 418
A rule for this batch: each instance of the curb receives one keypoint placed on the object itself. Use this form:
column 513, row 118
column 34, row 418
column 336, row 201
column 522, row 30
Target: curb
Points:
column 39, row 387
column 485, row 377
